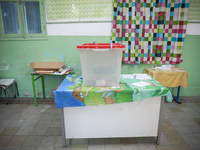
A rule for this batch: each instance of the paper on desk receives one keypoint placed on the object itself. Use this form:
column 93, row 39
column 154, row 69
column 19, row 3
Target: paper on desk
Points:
column 176, row 70
column 142, row 76
column 62, row 72
column 141, row 84
column 128, row 76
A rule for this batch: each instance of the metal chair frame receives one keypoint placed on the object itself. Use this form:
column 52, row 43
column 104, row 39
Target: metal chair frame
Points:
column 6, row 90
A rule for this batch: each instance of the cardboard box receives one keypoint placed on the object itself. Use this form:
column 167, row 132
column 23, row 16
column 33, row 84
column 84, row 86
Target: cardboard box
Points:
column 46, row 67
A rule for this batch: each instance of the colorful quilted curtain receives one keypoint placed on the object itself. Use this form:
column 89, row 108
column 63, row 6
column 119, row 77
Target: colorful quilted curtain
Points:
column 152, row 30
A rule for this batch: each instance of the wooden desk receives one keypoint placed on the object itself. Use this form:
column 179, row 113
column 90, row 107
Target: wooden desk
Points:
column 169, row 79
column 42, row 77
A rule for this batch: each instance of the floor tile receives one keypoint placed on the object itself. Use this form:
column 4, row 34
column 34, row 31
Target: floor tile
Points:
column 17, row 123
column 4, row 140
column 24, row 115
column 56, row 122
column 147, row 147
column 198, row 104
column 192, row 105
column 164, row 147
column 11, row 148
column 191, row 139
column 79, row 148
column 4, row 113
column 195, row 147
column 5, row 122
column 44, row 123
column 25, row 129
column 145, row 140
column 166, row 110
column 23, row 106
column 196, row 109
column 128, row 141
column 112, row 141
column 169, row 115
column 167, row 105
column 168, row 130
column 47, row 116
column 33, row 120
column 186, row 109
column 197, row 135
column 39, row 130
column 175, row 139
column 112, row 147
column 193, row 114
column 61, row 148
column 175, row 121
column 10, row 131
column 95, row 147
column 32, row 141
column 182, row 129
column 79, row 142
column 48, row 141
column 188, row 121
column 13, row 115
column 175, row 109
column 183, row 105
column 182, row 115
column 2, row 128
column 28, row 148
column 53, row 131
column 163, row 140
column 96, row 141
column 59, row 141
column 51, row 110
column 165, row 122
column 181, row 147
column 194, row 128
column 130, row 147
column 16, row 140
column 197, row 120
column 45, row 148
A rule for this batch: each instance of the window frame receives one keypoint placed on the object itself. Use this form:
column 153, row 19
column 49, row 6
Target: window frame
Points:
column 22, row 27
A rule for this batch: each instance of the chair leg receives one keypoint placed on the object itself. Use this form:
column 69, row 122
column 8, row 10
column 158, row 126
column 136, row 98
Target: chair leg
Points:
column 8, row 101
column 14, row 93
column 16, row 88
column 4, row 89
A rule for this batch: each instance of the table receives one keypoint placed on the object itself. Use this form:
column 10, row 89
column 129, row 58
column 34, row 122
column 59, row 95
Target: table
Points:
column 169, row 79
column 42, row 77
column 103, row 112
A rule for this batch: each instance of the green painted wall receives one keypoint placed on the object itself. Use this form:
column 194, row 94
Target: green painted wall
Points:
column 16, row 56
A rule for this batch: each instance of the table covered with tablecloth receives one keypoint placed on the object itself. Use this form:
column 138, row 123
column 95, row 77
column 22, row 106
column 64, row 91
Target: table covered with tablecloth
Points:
column 72, row 92
column 169, row 78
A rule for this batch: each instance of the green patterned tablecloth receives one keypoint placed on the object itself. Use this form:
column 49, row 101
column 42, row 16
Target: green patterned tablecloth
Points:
column 72, row 93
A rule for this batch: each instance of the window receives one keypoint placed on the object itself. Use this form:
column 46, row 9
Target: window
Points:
column 22, row 19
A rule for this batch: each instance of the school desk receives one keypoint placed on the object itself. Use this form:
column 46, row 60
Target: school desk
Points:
column 42, row 79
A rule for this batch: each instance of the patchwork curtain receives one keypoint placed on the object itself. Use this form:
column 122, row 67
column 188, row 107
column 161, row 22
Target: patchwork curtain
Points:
column 152, row 30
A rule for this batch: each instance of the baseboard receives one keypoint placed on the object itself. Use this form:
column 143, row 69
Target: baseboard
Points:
column 183, row 99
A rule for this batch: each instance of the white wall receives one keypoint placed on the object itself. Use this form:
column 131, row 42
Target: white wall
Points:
column 193, row 29
column 98, row 29
column 80, row 29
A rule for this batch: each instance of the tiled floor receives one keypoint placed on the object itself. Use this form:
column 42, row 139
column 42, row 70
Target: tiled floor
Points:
column 26, row 127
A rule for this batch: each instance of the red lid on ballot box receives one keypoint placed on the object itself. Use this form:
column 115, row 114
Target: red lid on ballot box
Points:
column 100, row 46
